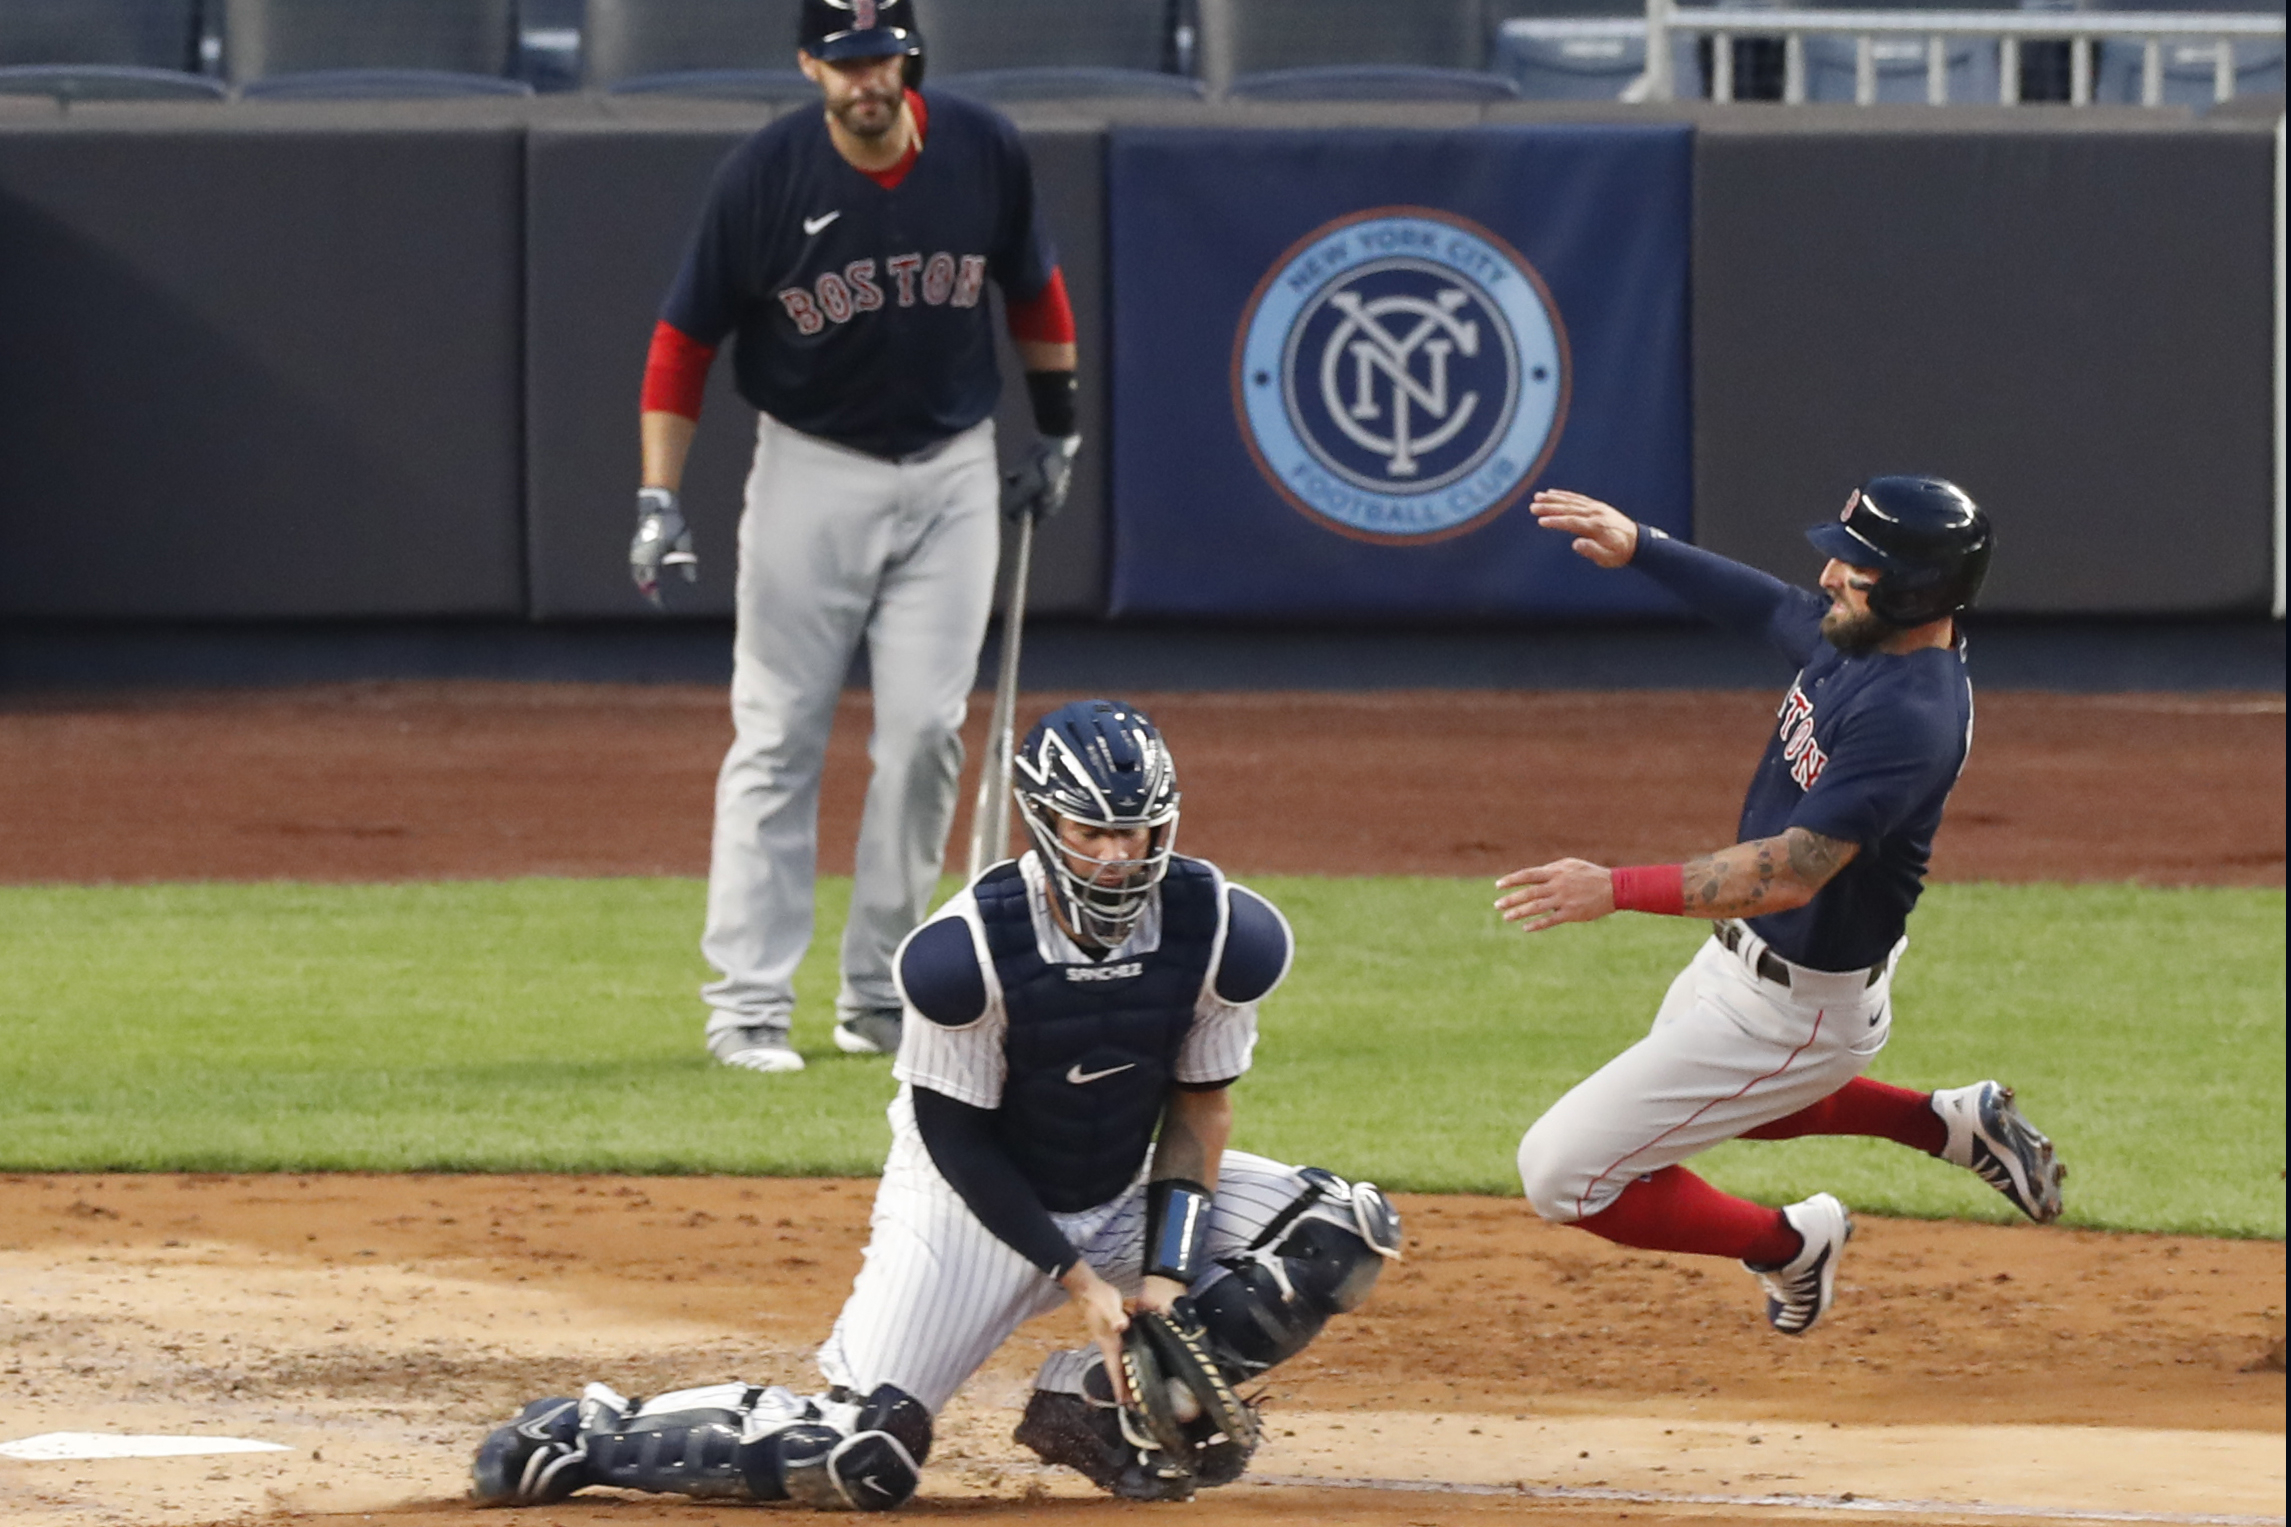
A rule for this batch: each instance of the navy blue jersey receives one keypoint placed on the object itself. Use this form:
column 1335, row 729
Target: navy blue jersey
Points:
column 1865, row 749
column 859, row 313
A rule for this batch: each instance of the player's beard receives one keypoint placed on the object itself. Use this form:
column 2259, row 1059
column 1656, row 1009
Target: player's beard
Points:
column 869, row 115
column 1852, row 634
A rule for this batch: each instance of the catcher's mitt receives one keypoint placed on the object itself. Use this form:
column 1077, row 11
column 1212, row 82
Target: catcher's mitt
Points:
column 1182, row 1407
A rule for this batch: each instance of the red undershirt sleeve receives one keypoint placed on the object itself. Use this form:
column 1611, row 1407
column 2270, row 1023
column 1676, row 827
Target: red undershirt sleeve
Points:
column 1047, row 317
column 675, row 372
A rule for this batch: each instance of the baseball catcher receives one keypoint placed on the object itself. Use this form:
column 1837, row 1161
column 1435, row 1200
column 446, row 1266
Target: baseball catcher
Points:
column 1073, row 1021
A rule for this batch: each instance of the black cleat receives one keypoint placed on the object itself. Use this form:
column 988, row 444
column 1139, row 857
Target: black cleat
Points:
column 534, row 1460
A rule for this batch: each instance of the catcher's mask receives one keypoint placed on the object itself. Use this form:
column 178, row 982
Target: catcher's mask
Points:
column 1103, row 764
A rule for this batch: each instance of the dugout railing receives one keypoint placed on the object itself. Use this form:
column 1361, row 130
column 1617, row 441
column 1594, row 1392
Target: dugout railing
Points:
column 1673, row 37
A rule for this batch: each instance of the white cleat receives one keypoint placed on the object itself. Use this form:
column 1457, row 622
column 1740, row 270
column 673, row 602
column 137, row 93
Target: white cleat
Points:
column 873, row 1032
column 1799, row 1292
column 1987, row 1135
column 755, row 1049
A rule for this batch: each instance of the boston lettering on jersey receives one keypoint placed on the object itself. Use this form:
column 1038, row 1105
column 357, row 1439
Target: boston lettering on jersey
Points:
column 856, row 309
column 839, row 297
column 1799, row 749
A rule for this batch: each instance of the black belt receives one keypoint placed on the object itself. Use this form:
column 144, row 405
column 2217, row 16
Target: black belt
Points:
column 1771, row 966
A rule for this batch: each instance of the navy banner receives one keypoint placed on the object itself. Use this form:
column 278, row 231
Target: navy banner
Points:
column 1342, row 360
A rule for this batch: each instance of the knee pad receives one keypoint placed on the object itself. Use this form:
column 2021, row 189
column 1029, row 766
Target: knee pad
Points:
column 1275, row 1298
column 867, row 1471
column 892, row 1410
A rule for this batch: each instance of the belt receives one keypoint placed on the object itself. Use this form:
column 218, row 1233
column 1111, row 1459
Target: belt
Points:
column 1769, row 965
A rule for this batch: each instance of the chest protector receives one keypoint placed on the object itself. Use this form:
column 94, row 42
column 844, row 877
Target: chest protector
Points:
column 1092, row 1047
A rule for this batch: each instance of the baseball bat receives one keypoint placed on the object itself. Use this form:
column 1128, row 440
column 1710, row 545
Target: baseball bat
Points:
column 990, row 813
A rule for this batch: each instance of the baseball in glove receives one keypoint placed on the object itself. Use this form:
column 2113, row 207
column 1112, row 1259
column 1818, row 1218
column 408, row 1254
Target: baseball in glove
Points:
column 1181, row 1406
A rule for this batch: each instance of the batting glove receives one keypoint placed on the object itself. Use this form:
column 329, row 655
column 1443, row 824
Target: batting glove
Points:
column 1036, row 488
column 662, row 541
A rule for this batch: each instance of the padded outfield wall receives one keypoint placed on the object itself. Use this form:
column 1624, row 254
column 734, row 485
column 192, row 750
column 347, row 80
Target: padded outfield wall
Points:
column 381, row 361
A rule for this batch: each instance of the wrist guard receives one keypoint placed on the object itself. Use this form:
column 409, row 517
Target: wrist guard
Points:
column 1052, row 394
column 1177, row 1229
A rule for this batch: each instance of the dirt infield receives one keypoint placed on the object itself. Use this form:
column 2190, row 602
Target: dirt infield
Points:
column 394, row 781
column 375, row 1326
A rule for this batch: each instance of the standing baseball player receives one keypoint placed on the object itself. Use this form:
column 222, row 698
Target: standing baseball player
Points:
column 1073, row 1022
column 847, row 253
column 1764, row 1035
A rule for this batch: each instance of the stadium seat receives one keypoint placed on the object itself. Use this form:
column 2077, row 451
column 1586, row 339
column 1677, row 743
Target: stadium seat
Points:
column 1260, row 36
column 108, row 82
column 2189, row 66
column 728, row 49
column 1581, row 58
column 138, row 34
column 1047, row 84
column 1970, row 75
column 1017, row 50
column 1372, row 82
column 378, row 85
column 416, row 42
column 968, row 36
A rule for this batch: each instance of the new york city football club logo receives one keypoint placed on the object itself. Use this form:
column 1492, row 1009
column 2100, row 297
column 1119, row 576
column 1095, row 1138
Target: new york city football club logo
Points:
column 1401, row 375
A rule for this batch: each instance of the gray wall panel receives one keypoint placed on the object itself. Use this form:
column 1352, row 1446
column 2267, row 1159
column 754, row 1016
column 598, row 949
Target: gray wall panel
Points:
column 259, row 373
column 2074, row 325
column 609, row 212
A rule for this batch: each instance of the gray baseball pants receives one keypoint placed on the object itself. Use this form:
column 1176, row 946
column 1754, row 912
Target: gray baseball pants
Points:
column 836, row 545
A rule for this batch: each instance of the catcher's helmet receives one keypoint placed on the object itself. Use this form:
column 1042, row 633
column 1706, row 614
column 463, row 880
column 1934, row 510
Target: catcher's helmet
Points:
column 1928, row 542
column 833, row 29
column 1104, row 764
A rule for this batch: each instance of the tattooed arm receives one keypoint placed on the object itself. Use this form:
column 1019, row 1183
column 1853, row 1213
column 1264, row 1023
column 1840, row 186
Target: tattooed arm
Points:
column 1747, row 880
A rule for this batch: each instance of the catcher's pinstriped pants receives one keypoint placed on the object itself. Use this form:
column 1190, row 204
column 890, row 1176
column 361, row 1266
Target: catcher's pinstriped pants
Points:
column 939, row 1292
column 836, row 545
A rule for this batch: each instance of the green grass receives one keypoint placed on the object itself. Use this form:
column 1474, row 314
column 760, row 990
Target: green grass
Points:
column 554, row 1025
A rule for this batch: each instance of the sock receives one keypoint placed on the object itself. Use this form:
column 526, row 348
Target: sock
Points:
column 1864, row 1107
column 1674, row 1210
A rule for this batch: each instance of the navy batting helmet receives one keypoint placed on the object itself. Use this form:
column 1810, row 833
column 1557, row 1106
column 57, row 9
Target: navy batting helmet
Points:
column 1928, row 542
column 833, row 29
column 1103, row 764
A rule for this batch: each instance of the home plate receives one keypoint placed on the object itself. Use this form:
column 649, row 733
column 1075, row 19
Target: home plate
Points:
column 51, row 1447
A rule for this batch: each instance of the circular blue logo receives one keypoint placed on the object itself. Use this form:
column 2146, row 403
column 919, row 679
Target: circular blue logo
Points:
column 1401, row 375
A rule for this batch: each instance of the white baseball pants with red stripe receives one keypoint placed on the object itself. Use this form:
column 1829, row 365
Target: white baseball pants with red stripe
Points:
column 1729, row 1050
column 836, row 546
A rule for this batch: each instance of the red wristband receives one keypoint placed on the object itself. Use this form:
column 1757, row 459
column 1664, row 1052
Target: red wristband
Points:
column 1650, row 888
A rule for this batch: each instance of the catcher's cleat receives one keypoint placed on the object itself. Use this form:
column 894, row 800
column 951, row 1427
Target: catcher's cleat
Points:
column 1799, row 1292
column 756, row 1048
column 1988, row 1135
column 874, row 1031
column 1075, row 1433
column 534, row 1460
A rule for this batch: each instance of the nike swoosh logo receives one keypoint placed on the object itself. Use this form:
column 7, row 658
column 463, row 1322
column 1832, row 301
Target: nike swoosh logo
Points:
column 812, row 225
column 1080, row 1077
